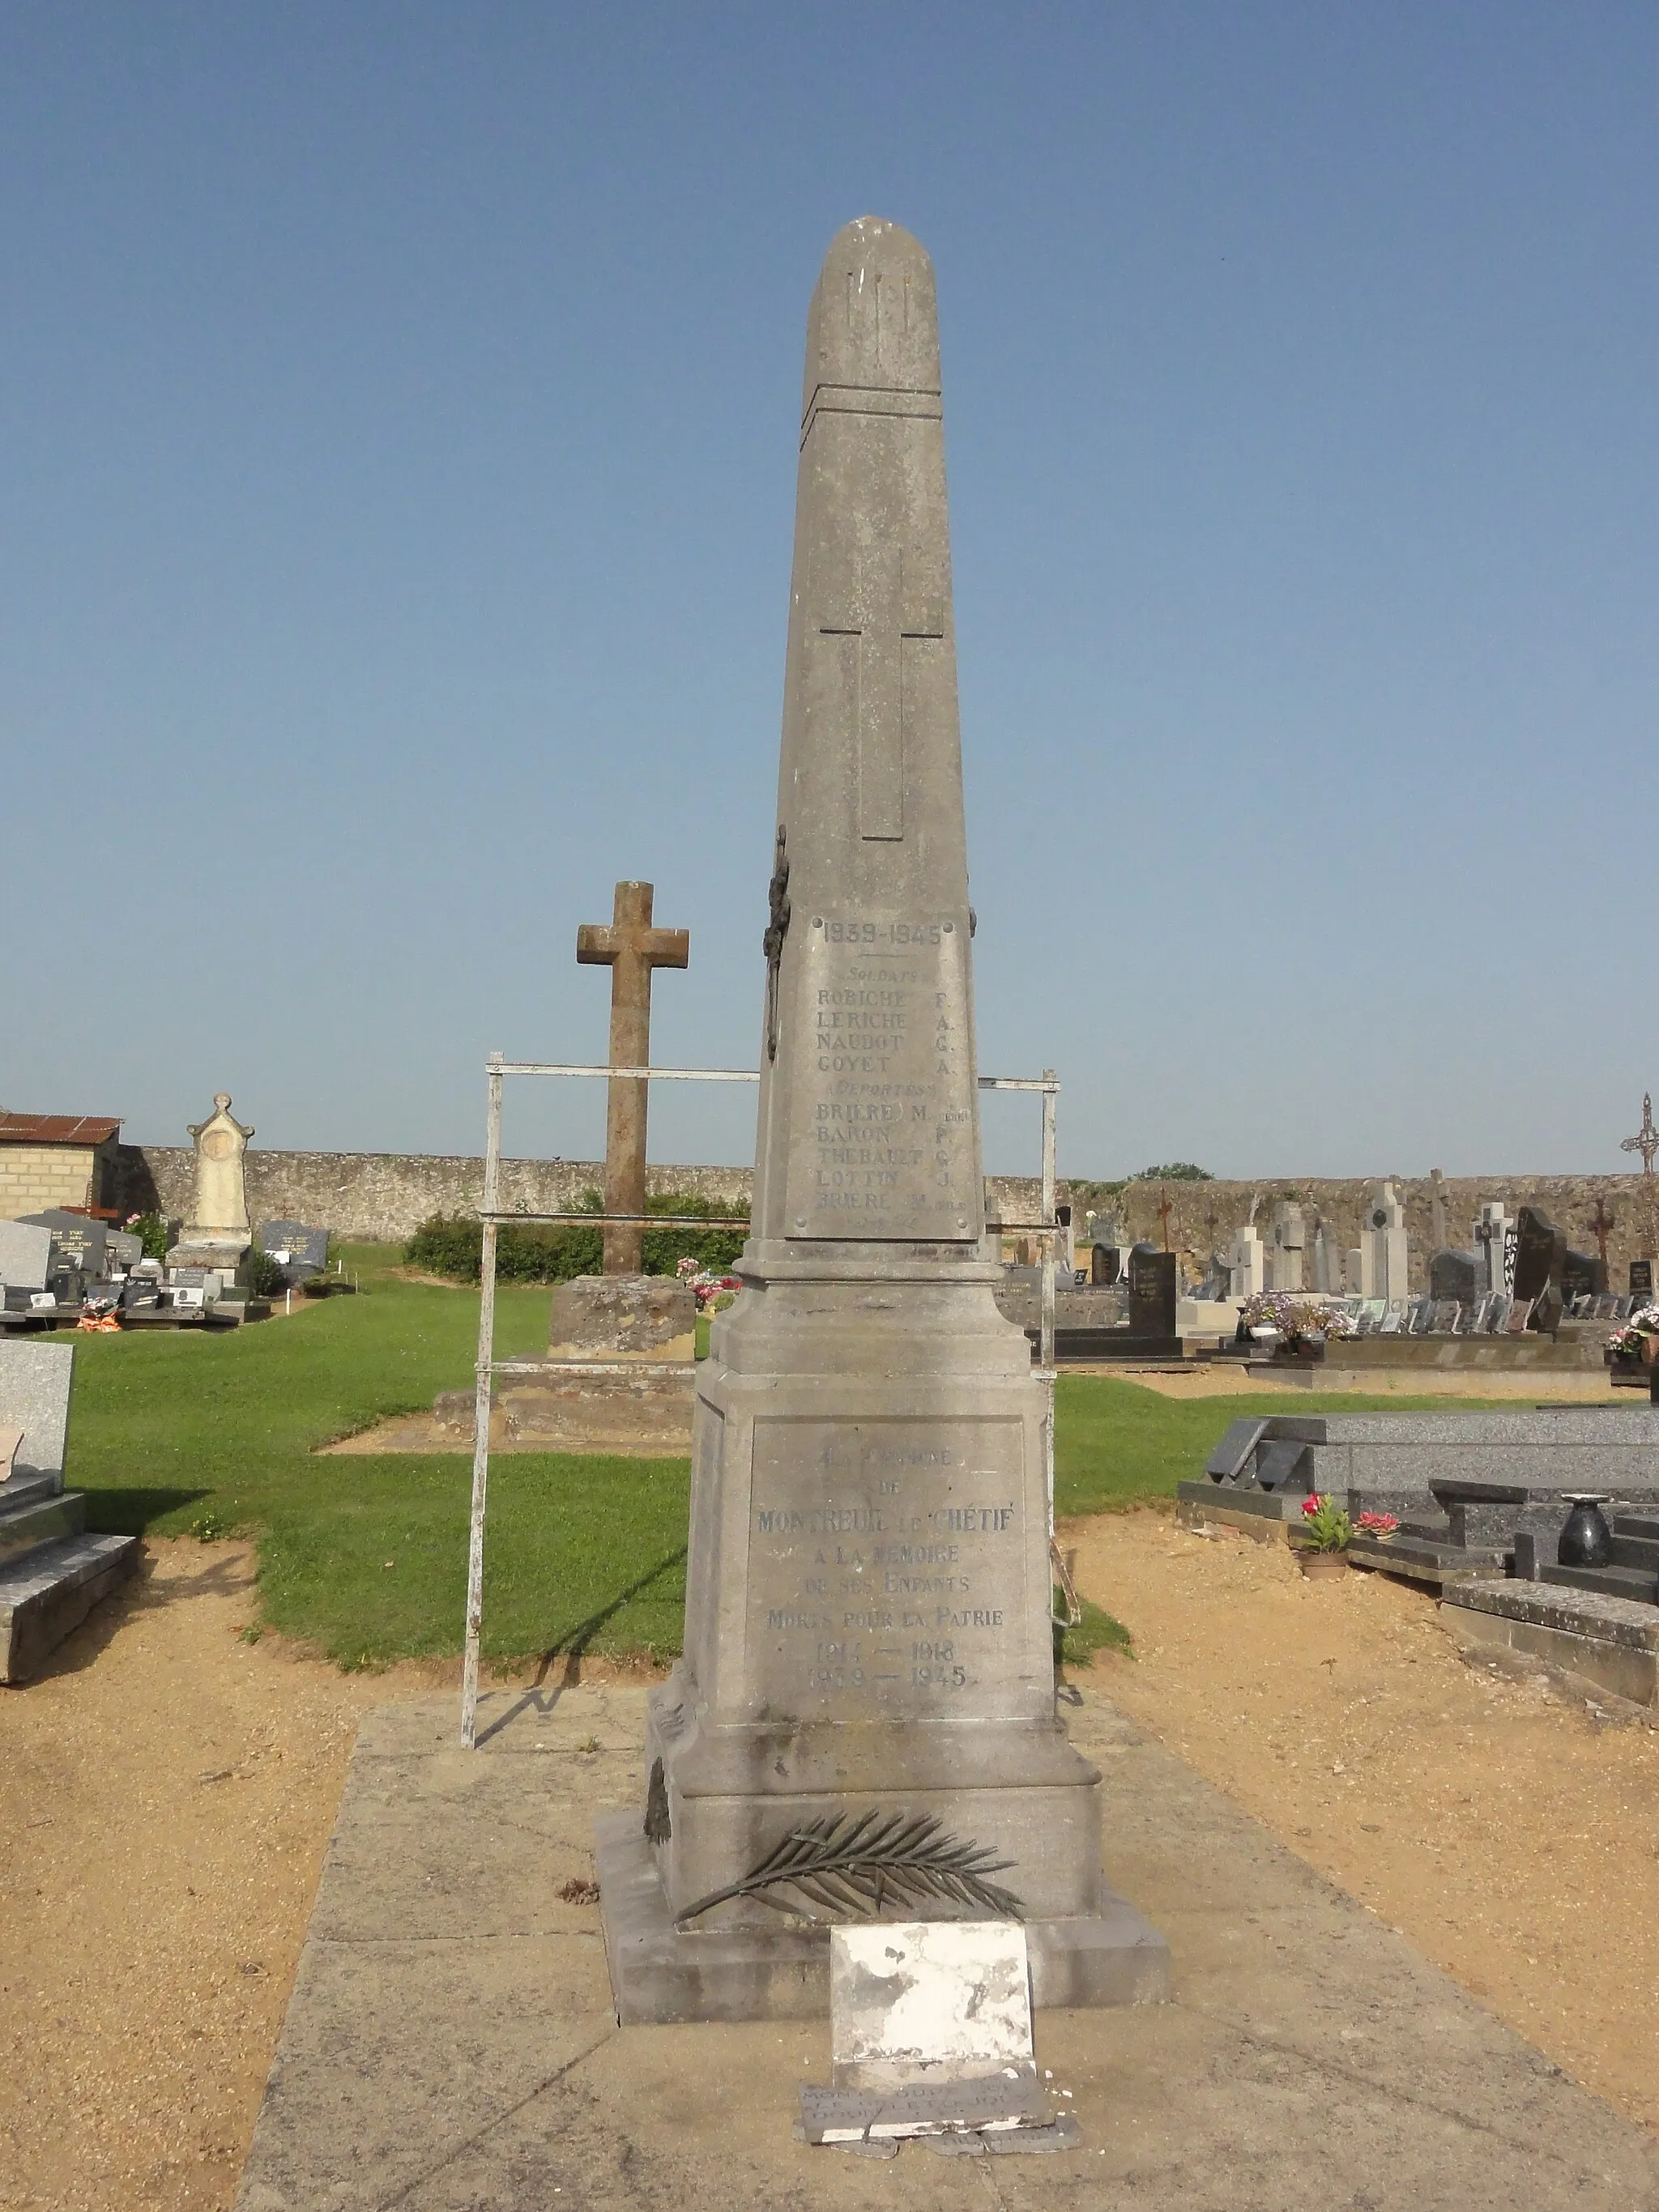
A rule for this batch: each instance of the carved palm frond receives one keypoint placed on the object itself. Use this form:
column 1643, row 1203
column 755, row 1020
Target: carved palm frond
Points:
column 851, row 1868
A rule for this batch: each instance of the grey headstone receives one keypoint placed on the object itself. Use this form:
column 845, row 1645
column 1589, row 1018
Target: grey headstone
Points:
column 25, row 1255
column 307, row 1249
column 34, row 1396
column 1234, row 1455
column 78, row 1242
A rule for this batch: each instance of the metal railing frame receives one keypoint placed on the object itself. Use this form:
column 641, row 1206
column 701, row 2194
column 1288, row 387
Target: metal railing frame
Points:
column 487, row 1366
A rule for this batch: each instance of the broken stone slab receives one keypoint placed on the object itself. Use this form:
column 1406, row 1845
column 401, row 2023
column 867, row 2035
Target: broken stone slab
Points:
column 558, row 1406
column 995, row 2102
column 623, row 1317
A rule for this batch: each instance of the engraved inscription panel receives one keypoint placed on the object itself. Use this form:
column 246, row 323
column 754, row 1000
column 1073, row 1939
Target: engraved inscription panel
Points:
column 886, row 1565
column 885, row 1141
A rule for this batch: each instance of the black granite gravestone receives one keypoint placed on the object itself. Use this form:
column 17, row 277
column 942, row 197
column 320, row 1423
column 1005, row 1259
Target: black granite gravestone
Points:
column 1583, row 1275
column 306, row 1248
column 1641, row 1279
column 1151, row 1293
column 1541, row 1253
column 1457, row 1276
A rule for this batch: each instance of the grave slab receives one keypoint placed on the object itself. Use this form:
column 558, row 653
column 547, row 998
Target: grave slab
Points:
column 1309, row 2057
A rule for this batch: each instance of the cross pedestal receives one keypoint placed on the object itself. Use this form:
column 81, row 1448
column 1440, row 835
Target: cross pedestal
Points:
column 630, row 948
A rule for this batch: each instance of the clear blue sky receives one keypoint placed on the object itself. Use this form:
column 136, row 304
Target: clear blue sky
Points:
column 397, row 424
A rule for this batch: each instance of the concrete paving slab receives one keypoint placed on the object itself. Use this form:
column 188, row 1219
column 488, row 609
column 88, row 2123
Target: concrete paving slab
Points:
column 1310, row 2059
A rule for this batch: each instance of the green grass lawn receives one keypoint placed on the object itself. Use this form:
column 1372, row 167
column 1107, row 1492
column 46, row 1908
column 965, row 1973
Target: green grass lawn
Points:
column 366, row 1556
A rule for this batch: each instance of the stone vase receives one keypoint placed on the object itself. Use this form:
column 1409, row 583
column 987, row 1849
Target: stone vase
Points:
column 1586, row 1537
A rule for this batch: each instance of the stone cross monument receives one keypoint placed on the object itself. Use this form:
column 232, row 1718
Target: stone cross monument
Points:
column 630, row 948
column 865, row 1721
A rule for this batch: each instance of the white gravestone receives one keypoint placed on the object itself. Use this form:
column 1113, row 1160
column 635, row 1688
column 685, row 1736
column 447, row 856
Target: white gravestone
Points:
column 1497, row 1236
column 1382, row 1247
column 1247, row 1264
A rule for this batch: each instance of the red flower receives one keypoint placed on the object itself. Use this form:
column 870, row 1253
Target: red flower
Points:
column 1311, row 1504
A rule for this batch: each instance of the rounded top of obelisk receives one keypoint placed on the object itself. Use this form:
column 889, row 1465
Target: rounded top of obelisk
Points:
column 874, row 317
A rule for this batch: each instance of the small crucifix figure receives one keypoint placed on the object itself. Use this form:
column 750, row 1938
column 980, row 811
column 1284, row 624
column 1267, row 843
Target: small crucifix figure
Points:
column 890, row 609
column 1602, row 1222
column 630, row 948
column 1165, row 1210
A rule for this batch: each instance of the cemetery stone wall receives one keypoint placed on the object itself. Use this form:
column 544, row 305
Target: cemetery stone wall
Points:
column 383, row 1197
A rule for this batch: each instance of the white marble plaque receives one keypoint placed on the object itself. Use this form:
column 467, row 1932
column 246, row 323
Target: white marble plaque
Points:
column 928, row 2000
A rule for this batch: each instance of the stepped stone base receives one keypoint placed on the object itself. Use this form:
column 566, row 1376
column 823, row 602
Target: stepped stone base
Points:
column 661, row 1974
column 51, row 1590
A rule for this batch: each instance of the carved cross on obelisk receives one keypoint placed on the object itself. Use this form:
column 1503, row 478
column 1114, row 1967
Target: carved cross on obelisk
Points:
column 630, row 948
column 893, row 604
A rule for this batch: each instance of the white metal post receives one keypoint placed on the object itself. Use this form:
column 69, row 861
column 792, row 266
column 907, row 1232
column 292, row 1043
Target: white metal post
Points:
column 484, row 1376
column 1046, row 1334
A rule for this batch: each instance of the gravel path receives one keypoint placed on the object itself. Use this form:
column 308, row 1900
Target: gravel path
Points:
column 1511, row 1837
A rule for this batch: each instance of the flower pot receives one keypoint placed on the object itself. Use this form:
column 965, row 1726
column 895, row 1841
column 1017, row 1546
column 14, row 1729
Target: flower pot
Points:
column 1318, row 1566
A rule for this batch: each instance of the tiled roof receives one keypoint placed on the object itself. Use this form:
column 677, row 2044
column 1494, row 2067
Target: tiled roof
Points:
column 57, row 1128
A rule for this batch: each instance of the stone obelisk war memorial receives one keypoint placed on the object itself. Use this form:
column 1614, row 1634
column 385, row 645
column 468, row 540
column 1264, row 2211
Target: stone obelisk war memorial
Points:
column 864, row 1718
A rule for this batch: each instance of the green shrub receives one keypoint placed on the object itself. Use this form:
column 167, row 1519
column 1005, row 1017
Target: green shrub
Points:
column 716, row 1249
column 152, row 1232
column 262, row 1275
column 552, row 1252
